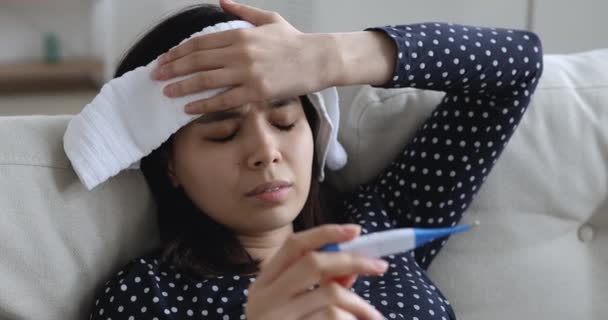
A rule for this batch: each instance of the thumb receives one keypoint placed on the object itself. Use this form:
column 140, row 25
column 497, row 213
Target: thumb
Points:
column 254, row 15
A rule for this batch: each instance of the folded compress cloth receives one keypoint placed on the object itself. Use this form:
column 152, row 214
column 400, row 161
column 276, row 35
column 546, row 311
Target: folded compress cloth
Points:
column 131, row 117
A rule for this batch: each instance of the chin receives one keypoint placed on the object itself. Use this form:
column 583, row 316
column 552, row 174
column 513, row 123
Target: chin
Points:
column 275, row 218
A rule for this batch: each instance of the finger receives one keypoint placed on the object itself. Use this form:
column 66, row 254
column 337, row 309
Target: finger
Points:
column 197, row 61
column 330, row 313
column 231, row 98
column 315, row 267
column 303, row 242
column 200, row 81
column 350, row 281
column 254, row 15
column 325, row 298
column 210, row 41
column 344, row 281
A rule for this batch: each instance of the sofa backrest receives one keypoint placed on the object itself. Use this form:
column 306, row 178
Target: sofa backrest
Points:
column 58, row 241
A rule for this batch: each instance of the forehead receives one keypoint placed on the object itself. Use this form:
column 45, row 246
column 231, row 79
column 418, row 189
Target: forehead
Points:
column 242, row 111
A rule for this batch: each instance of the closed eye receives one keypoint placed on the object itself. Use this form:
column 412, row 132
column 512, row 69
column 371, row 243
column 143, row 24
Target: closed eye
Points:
column 224, row 139
column 285, row 128
column 233, row 135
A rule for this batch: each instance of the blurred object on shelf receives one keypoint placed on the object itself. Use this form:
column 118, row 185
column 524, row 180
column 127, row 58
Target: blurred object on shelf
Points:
column 52, row 48
column 65, row 75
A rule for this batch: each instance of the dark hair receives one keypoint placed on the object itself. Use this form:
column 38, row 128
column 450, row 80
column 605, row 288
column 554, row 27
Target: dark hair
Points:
column 189, row 237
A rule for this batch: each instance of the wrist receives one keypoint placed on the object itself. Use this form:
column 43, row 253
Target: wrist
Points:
column 329, row 65
column 364, row 57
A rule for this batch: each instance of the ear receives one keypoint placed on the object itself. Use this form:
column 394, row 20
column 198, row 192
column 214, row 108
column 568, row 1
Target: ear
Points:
column 171, row 173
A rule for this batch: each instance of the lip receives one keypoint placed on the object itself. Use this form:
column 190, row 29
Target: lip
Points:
column 265, row 187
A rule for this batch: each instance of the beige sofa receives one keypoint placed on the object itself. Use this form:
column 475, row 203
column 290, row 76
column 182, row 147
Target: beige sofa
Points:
column 541, row 251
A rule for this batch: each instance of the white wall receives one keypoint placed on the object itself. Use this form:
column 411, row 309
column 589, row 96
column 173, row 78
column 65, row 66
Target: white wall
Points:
column 118, row 24
column 570, row 26
column 351, row 15
column 107, row 28
column 564, row 25
column 324, row 15
column 22, row 28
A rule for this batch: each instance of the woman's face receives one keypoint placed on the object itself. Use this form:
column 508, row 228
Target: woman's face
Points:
column 248, row 168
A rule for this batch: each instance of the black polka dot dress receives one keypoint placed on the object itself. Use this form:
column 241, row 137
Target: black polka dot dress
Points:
column 489, row 75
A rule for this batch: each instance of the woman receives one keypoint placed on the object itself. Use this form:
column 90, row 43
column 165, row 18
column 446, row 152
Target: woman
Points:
column 239, row 213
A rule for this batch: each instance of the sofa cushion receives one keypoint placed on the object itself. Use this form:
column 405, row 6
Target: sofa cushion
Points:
column 541, row 251
column 58, row 241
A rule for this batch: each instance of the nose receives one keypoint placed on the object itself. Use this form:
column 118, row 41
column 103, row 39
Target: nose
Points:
column 263, row 147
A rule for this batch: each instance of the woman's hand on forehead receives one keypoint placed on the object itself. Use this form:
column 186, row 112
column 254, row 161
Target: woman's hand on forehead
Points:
column 269, row 62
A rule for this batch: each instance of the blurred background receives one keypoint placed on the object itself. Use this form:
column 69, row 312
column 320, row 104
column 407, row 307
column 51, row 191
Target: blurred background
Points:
column 56, row 54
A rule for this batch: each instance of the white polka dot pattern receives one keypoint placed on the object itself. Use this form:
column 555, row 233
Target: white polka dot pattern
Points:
column 489, row 75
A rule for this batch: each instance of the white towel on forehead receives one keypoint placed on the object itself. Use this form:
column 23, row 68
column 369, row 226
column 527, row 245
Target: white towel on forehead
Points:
column 131, row 117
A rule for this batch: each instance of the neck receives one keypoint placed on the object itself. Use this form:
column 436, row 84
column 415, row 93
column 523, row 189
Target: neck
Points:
column 263, row 246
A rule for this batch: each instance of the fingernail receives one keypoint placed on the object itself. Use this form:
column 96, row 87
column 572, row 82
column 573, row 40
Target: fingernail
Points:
column 379, row 265
column 161, row 72
column 190, row 109
column 169, row 91
column 350, row 229
column 162, row 58
column 156, row 74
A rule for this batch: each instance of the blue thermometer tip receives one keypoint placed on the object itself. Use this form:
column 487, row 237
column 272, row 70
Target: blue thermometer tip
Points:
column 330, row 247
column 427, row 235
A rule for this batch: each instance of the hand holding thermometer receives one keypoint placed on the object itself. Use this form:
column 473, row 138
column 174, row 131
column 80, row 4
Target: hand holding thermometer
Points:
column 383, row 243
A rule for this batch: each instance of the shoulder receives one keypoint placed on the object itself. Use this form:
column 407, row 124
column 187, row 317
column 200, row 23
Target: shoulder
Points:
column 145, row 285
column 149, row 285
column 133, row 279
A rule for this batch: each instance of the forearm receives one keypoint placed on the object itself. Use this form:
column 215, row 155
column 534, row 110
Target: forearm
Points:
column 452, row 58
column 364, row 57
column 464, row 60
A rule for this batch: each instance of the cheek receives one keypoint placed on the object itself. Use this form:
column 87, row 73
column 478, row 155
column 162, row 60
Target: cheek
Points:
column 204, row 174
column 301, row 149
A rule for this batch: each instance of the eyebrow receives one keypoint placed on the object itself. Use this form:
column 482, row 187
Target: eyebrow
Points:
column 233, row 114
column 218, row 116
